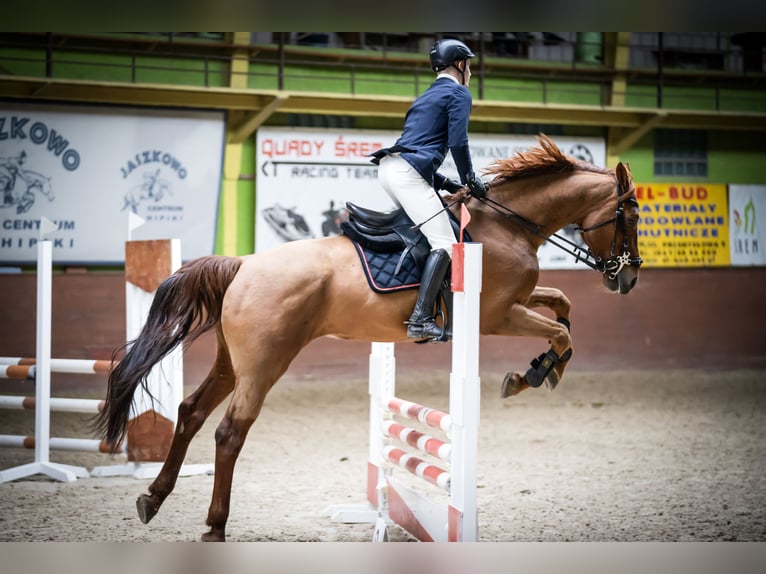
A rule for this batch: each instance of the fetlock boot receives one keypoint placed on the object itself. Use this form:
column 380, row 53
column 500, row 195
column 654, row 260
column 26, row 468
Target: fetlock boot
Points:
column 421, row 324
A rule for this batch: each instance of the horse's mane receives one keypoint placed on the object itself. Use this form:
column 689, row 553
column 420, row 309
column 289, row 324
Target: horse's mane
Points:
column 547, row 158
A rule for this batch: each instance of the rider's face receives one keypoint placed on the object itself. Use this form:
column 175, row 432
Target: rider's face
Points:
column 466, row 72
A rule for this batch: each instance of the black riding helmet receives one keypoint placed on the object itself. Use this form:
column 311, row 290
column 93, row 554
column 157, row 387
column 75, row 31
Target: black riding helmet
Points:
column 446, row 52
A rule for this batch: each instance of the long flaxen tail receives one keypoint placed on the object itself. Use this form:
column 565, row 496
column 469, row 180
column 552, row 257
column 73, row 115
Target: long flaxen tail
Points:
column 186, row 305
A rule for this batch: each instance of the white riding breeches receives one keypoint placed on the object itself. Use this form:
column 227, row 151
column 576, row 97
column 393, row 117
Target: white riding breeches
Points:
column 408, row 190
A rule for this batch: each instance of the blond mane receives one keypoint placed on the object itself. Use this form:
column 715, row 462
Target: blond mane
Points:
column 547, row 158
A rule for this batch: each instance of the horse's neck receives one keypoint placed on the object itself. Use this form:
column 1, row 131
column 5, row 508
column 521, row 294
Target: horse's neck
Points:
column 554, row 201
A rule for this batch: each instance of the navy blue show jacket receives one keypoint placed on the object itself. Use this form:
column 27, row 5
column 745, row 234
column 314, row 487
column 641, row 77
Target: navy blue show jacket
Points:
column 436, row 122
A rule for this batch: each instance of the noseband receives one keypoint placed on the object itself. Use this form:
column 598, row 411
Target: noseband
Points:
column 611, row 266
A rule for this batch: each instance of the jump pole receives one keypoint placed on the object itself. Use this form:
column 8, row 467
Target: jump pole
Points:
column 26, row 367
column 390, row 500
column 42, row 464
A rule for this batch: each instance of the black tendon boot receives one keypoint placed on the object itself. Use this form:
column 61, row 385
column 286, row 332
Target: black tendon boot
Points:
column 421, row 324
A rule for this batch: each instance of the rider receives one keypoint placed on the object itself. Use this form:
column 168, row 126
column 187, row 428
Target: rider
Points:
column 12, row 169
column 436, row 122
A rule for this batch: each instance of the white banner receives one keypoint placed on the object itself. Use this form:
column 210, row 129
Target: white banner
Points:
column 88, row 168
column 747, row 224
column 305, row 176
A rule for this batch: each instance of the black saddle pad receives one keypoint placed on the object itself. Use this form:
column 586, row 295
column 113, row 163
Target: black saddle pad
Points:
column 382, row 273
column 388, row 264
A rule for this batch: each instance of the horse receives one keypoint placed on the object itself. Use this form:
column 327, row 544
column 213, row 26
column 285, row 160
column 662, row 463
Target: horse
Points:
column 266, row 307
column 32, row 182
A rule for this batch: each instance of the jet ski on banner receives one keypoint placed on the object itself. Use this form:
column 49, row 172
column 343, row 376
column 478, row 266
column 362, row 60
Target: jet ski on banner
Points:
column 287, row 223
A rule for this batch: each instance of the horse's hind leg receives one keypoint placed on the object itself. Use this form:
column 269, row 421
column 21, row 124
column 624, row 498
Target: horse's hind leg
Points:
column 192, row 413
column 229, row 438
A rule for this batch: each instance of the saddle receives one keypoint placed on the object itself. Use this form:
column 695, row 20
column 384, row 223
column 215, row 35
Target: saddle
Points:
column 390, row 246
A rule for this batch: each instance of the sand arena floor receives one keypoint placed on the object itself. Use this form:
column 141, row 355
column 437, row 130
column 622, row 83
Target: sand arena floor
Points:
column 618, row 456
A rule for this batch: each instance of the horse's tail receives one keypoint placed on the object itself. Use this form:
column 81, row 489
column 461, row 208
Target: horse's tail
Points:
column 186, row 305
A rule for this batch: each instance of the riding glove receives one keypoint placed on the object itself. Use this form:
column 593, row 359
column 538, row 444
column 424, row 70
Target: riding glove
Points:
column 451, row 185
column 478, row 187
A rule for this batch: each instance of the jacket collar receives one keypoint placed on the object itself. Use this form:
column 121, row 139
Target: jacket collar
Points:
column 445, row 75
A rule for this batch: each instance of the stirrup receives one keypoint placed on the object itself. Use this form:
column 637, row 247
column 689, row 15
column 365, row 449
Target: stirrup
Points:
column 427, row 332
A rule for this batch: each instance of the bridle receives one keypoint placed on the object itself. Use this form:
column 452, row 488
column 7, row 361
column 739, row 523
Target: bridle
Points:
column 611, row 266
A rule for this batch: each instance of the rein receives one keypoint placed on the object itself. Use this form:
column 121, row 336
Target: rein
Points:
column 609, row 267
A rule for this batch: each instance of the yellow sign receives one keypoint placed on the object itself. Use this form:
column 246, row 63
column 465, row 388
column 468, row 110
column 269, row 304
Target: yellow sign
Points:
column 683, row 225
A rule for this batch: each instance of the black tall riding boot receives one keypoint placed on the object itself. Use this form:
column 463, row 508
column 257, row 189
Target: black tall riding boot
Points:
column 421, row 324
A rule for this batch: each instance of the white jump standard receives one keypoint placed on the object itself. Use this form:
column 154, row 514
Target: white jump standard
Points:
column 152, row 423
column 390, row 500
column 42, row 463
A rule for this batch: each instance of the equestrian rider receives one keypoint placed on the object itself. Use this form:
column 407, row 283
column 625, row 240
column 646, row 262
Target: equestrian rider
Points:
column 436, row 122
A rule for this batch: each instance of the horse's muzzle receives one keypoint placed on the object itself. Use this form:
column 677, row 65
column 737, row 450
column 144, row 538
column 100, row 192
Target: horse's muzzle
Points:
column 624, row 282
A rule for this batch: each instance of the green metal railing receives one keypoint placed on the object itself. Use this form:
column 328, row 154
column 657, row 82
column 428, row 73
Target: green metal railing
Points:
column 177, row 60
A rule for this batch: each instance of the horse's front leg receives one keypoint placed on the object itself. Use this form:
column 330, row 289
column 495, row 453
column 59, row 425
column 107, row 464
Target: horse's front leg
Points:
column 555, row 300
column 522, row 321
column 552, row 298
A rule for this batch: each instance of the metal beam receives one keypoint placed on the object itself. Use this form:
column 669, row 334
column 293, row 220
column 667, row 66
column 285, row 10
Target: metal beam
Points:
column 348, row 105
column 490, row 111
column 255, row 119
column 259, row 101
column 633, row 136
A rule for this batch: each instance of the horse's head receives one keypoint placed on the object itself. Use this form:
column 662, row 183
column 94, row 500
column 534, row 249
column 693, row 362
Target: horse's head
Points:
column 611, row 234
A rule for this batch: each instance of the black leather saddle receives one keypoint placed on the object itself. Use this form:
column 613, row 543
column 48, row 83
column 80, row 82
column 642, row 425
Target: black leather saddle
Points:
column 391, row 247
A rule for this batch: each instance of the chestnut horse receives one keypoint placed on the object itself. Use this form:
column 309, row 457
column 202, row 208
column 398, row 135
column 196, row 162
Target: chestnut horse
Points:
column 268, row 306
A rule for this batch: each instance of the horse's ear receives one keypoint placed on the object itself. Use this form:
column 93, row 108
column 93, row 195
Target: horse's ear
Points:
column 623, row 175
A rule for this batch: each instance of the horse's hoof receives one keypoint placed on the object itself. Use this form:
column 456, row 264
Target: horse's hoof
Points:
column 212, row 537
column 513, row 384
column 146, row 509
column 552, row 380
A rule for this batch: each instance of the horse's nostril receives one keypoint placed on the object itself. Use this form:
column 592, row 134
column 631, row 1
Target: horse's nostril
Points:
column 633, row 282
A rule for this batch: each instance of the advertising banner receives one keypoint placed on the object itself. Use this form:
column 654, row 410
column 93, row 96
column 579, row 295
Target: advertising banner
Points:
column 86, row 168
column 683, row 225
column 305, row 177
column 747, row 224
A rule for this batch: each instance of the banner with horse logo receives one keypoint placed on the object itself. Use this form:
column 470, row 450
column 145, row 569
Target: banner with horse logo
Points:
column 88, row 167
column 305, row 176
